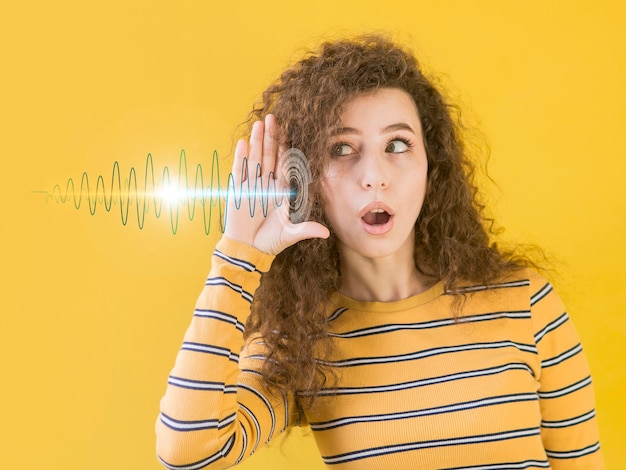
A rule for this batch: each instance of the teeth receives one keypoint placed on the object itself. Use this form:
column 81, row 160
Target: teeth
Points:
column 377, row 211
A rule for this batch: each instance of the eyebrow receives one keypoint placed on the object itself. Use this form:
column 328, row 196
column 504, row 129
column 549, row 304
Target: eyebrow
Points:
column 390, row 128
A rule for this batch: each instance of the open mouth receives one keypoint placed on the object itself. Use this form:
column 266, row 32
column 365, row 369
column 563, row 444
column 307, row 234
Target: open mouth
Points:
column 376, row 217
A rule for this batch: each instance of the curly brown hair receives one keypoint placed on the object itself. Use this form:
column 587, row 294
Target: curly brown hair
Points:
column 452, row 236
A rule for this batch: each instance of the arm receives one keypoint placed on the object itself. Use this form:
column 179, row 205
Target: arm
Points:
column 216, row 411
column 569, row 427
column 212, row 414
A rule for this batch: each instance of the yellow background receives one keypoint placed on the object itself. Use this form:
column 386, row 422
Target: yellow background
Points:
column 93, row 312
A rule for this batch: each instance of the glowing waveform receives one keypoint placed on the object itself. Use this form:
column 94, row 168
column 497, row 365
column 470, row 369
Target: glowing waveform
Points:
column 178, row 192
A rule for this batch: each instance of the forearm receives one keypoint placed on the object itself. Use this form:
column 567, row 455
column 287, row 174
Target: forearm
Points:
column 211, row 414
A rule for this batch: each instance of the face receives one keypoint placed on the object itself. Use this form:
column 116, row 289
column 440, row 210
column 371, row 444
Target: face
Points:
column 375, row 182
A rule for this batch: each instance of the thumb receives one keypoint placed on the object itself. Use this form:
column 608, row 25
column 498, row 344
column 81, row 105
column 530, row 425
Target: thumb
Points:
column 294, row 233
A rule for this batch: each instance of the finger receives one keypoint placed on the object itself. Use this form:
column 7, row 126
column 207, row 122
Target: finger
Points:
column 294, row 233
column 255, row 152
column 239, row 169
column 237, row 177
column 282, row 148
column 270, row 145
column 282, row 182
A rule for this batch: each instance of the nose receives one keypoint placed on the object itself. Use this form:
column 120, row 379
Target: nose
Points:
column 374, row 174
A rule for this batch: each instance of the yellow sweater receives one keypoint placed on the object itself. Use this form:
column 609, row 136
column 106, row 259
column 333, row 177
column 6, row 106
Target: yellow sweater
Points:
column 506, row 386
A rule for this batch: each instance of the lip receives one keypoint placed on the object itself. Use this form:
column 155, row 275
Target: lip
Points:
column 377, row 229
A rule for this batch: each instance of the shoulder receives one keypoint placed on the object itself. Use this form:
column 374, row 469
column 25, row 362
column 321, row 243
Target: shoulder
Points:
column 547, row 311
column 525, row 280
column 523, row 290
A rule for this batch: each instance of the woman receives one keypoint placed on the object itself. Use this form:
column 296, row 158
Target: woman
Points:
column 388, row 322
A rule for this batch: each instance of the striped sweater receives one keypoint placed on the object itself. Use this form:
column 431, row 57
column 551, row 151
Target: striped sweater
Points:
column 505, row 386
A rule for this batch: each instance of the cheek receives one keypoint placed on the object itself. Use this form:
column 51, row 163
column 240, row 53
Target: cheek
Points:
column 331, row 198
column 333, row 172
column 331, row 187
column 330, row 201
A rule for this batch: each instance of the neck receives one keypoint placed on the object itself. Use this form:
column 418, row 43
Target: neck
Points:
column 380, row 279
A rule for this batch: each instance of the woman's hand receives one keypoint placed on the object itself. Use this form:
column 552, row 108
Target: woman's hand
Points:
column 270, row 233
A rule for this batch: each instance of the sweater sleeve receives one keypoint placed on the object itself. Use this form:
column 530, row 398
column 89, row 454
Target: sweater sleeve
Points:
column 569, row 427
column 215, row 412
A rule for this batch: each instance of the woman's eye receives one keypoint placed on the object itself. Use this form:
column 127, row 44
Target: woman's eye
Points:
column 397, row 146
column 340, row 150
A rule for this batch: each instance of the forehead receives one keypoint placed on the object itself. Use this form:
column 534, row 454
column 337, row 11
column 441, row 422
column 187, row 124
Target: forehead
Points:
column 390, row 109
column 379, row 103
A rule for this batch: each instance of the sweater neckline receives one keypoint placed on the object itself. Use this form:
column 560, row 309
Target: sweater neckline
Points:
column 414, row 301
